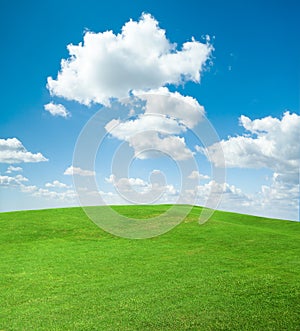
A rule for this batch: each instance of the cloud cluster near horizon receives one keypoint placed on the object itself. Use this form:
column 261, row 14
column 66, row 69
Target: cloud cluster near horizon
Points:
column 269, row 143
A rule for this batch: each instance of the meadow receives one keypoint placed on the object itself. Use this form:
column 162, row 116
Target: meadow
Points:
column 59, row 271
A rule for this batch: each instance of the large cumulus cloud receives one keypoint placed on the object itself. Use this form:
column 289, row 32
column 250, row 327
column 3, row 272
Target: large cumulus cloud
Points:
column 107, row 65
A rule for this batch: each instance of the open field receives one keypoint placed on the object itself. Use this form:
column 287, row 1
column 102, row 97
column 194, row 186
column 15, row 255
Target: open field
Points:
column 59, row 271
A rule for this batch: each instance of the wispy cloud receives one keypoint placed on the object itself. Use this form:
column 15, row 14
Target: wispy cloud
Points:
column 57, row 184
column 11, row 169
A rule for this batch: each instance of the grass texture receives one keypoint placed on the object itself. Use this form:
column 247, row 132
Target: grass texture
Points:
column 59, row 271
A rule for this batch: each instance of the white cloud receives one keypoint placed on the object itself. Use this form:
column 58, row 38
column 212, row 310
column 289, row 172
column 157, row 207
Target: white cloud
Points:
column 231, row 196
column 217, row 196
column 137, row 190
column 269, row 143
column 28, row 188
column 13, row 151
column 78, row 171
column 156, row 130
column 281, row 197
column 18, row 181
column 280, row 190
column 277, row 200
column 156, row 172
column 67, row 196
column 56, row 184
column 200, row 149
column 196, row 175
column 12, row 181
column 127, row 183
column 144, row 123
column 273, row 144
column 151, row 144
column 110, row 65
column 110, row 179
column 57, row 110
column 184, row 109
column 11, row 169
column 212, row 194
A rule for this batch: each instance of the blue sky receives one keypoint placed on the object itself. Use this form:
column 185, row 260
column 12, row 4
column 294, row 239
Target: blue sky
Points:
column 252, row 71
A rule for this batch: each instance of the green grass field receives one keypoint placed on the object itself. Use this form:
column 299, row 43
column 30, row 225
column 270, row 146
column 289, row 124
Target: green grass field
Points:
column 59, row 271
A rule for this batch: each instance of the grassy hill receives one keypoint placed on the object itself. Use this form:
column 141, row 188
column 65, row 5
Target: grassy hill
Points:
column 59, row 271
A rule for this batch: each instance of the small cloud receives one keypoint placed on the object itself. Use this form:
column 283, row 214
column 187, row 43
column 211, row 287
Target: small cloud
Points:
column 137, row 190
column 202, row 150
column 196, row 175
column 57, row 110
column 11, row 169
column 12, row 181
column 57, row 184
column 78, row 171
column 199, row 149
column 110, row 179
column 156, row 172
column 185, row 109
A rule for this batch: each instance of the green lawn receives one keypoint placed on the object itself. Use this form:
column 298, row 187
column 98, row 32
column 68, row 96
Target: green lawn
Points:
column 59, row 271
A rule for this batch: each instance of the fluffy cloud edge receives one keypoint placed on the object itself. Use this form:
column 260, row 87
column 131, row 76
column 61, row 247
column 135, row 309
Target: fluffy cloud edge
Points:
column 12, row 151
column 12, row 169
column 57, row 184
column 72, row 171
column 57, row 110
column 271, row 144
column 107, row 65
